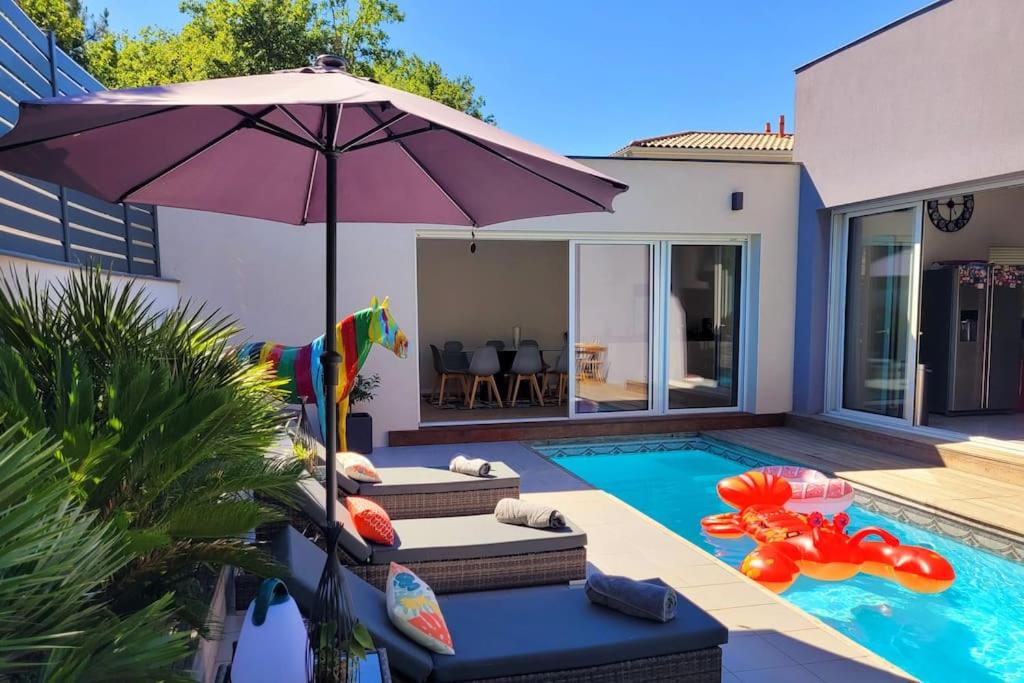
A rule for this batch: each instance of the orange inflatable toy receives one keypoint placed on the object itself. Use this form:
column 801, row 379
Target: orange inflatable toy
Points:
column 790, row 544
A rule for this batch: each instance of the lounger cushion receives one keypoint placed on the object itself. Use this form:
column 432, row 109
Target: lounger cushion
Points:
column 554, row 628
column 312, row 498
column 305, row 562
column 471, row 536
column 357, row 466
column 413, row 609
column 405, row 480
column 372, row 522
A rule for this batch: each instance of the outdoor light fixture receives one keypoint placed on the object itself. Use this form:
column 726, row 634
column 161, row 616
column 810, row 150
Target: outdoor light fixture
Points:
column 737, row 201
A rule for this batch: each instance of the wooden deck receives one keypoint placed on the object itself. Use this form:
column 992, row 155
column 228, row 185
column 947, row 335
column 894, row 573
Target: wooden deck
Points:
column 565, row 429
column 992, row 498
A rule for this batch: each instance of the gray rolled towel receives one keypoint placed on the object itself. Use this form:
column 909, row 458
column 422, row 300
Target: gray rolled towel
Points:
column 474, row 467
column 523, row 513
column 644, row 599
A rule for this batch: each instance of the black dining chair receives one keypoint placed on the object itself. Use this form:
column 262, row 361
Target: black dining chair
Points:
column 445, row 372
column 497, row 344
column 525, row 367
column 483, row 367
column 455, row 356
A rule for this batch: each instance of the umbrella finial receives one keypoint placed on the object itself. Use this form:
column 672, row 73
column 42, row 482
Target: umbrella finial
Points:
column 331, row 63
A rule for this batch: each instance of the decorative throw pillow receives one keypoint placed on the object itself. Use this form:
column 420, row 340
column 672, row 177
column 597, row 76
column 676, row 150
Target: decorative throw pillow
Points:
column 358, row 467
column 372, row 522
column 414, row 611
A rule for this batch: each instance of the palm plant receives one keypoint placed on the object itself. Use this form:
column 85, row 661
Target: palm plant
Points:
column 162, row 428
column 56, row 559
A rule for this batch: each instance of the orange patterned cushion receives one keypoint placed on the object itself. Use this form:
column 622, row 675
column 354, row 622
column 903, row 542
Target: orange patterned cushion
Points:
column 372, row 523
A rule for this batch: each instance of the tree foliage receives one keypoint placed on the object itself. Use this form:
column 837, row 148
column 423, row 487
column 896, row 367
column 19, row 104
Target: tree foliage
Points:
column 243, row 37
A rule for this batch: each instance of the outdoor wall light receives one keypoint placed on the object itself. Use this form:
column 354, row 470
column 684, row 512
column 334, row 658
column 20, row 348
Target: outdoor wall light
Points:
column 737, row 201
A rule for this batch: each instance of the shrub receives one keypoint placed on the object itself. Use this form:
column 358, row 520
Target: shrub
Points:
column 161, row 428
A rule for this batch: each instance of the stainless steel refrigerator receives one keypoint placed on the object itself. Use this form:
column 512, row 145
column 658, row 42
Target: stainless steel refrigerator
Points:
column 972, row 319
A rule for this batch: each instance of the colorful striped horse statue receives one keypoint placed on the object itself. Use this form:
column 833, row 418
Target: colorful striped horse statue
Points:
column 301, row 367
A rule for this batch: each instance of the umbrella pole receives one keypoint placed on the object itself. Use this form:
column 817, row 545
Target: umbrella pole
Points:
column 331, row 621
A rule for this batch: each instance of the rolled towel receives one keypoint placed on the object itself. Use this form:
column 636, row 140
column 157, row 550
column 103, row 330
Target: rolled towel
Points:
column 474, row 467
column 523, row 513
column 644, row 599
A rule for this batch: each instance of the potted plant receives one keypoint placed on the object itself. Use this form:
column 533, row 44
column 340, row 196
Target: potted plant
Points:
column 359, row 428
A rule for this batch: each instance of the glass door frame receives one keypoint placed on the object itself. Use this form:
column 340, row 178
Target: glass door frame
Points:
column 835, row 346
column 744, row 338
column 660, row 256
column 654, row 276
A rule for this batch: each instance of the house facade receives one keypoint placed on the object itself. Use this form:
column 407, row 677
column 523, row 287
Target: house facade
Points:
column 866, row 268
column 912, row 162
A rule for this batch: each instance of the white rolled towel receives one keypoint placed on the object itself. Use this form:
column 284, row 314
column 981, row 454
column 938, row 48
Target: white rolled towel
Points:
column 474, row 467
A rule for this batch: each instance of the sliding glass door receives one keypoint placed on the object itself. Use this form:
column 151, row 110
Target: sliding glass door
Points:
column 874, row 336
column 612, row 308
column 656, row 326
column 702, row 326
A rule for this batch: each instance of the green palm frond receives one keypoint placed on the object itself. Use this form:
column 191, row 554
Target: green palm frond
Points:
column 55, row 560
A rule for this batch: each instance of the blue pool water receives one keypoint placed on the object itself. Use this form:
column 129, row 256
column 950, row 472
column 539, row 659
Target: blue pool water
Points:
column 973, row 632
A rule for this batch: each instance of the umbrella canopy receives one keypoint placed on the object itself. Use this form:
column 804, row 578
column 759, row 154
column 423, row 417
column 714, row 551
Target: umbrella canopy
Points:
column 308, row 145
column 253, row 146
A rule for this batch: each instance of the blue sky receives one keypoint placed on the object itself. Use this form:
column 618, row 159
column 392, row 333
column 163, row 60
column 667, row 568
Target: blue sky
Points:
column 587, row 76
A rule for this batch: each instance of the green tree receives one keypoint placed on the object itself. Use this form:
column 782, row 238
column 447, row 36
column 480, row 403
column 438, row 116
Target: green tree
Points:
column 243, row 37
column 69, row 20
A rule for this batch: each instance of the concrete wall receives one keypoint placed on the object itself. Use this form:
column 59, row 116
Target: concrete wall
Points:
column 271, row 276
column 163, row 291
column 933, row 101
column 476, row 297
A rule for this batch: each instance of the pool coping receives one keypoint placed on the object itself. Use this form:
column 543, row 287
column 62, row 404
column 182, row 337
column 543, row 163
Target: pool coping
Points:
column 963, row 529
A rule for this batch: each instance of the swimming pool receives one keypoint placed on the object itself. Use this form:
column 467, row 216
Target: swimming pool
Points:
column 972, row 632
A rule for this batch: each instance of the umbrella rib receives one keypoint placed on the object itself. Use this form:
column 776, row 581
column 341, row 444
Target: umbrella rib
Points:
column 419, row 165
column 18, row 145
column 563, row 186
column 354, row 142
column 312, row 170
column 258, row 123
column 189, row 157
column 294, row 119
column 391, row 138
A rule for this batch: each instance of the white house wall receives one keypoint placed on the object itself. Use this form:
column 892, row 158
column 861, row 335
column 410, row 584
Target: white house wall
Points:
column 164, row 292
column 271, row 276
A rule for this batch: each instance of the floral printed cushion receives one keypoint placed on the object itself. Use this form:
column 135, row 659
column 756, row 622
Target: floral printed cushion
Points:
column 358, row 467
column 372, row 522
column 414, row 611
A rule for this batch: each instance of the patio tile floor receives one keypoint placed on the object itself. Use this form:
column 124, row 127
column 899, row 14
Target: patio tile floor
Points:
column 770, row 639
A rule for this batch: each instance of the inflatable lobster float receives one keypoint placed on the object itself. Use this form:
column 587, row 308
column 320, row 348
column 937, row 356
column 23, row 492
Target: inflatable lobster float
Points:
column 791, row 543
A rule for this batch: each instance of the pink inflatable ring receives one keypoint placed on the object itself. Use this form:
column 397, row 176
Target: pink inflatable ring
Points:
column 812, row 490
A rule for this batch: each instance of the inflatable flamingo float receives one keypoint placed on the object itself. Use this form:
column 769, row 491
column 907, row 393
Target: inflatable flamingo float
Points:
column 791, row 543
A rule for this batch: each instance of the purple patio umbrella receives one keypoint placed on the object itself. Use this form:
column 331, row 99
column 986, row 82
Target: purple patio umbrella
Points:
column 307, row 145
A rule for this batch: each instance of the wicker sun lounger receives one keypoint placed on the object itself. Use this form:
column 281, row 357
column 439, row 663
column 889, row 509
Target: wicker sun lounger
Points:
column 549, row 634
column 416, row 492
column 458, row 554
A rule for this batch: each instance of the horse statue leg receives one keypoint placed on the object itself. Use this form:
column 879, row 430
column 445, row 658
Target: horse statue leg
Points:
column 343, row 425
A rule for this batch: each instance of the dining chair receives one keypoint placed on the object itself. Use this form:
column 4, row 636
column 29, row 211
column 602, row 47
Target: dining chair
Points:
column 483, row 367
column 560, row 368
column 444, row 373
column 526, row 366
column 497, row 344
column 455, row 356
column 528, row 342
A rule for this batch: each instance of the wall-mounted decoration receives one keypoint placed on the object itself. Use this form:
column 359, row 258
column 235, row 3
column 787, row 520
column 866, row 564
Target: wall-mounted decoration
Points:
column 953, row 214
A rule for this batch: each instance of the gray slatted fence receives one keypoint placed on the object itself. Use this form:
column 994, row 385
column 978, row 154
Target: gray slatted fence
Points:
column 41, row 219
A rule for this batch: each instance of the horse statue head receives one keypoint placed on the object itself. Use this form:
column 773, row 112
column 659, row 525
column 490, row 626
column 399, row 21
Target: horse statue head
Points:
column 384, row 330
